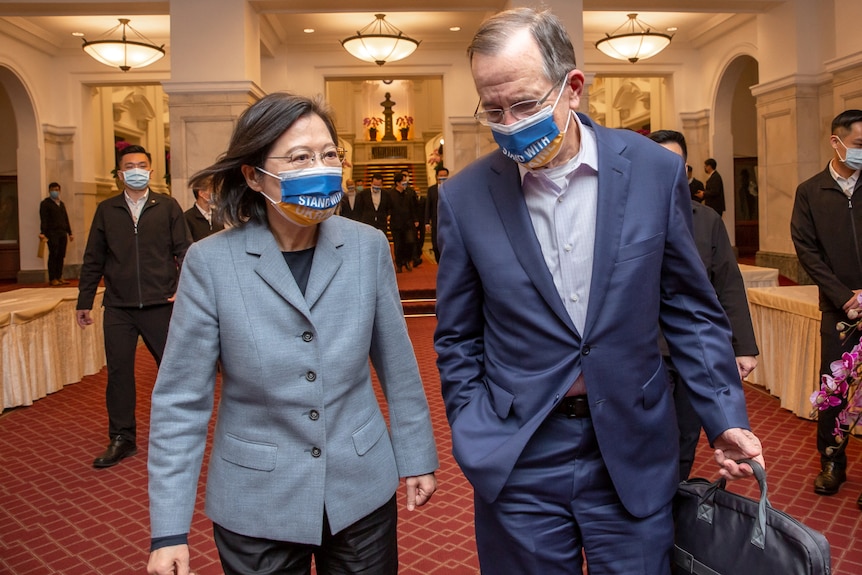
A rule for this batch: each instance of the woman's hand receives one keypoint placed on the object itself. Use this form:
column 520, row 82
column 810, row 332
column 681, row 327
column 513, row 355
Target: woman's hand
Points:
column 420, row 488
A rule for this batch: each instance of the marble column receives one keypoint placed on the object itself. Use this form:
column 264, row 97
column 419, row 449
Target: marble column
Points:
column 215, row 76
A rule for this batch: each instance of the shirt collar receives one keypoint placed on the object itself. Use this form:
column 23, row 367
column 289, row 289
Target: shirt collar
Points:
column 141, row 200
column 847, row 184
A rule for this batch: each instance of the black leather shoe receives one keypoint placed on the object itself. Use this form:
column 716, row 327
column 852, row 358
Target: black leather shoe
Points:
column 417, row 262
column 859, row 501
column 829, row 480
column 409, row 267
column 118, row 449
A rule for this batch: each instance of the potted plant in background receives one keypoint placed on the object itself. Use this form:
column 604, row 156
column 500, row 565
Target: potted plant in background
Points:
column 371, row 123
column 404, row 123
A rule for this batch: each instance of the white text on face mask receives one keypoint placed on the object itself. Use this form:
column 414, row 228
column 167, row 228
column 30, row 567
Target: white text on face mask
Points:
column 320, row 203
column 530, row 151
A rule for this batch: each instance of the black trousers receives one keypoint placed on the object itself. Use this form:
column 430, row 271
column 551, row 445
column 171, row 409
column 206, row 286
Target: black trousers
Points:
column 122, row 326
column 56, row 254
column 831, row 348
column 420, row 243
column 403, row 239
column 368, row 546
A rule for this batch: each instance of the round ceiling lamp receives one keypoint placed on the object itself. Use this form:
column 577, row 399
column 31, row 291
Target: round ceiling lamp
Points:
column 123, row 53
column 380, row 42
column 633, row 41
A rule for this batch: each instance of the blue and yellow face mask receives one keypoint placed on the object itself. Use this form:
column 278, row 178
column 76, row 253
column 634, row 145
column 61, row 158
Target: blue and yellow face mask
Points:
column 308, row 196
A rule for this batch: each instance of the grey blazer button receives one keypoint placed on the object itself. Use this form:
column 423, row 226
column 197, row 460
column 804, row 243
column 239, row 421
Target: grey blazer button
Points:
column 314, row 415
column 315, row 452
column 307, row 336
column 310, row 376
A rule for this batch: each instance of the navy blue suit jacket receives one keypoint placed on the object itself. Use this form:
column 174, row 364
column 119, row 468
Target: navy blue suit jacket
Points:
column 508, row 351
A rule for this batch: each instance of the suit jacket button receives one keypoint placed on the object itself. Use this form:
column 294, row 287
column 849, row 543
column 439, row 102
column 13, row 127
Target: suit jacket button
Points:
column 585, row 350
column 307, row 336
column 310, row 376
column 315, row 452
column 314, row 415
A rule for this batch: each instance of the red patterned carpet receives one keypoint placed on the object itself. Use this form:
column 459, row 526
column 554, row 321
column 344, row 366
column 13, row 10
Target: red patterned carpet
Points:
column 58, row 515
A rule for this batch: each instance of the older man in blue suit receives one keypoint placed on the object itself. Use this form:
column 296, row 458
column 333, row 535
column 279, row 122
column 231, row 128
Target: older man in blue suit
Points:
column 561, row 254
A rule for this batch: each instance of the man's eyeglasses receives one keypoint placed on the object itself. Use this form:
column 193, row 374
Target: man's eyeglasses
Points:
column 519, row 111
column 332, row 157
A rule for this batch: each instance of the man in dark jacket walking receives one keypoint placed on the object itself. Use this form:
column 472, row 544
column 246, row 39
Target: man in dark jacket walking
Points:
column 403, row 221
column 55, row 228
column 826, row 227
column 201, row 217
column 137, row 243
column 713, row 195
column 716, row 252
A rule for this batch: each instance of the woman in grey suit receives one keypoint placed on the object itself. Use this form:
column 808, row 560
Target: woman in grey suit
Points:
column 302, row 461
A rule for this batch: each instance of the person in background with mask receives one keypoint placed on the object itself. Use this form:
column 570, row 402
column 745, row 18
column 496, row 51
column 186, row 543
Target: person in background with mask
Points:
column 713, row 190
column 561, row 254
column 349, row 206
column 137, row 243
column 375, row 205
column 201, row 217
column 303, row 464
column 442, row 174
column 419, row 201
column 826, row 228
column 55, row 228
column 403, row 221
column 714, row 248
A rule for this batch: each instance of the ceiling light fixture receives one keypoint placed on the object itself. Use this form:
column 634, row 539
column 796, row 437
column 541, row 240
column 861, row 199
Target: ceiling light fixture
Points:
column 380, row 42
column 633, row 41
column 124, row 54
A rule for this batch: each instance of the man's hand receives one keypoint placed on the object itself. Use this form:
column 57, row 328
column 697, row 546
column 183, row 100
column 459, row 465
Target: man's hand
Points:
column 173, row 560
column 42, row 237
column 737, row 443
column 745, row 364
column 83, row 317
column 853, row 305
column 419, row 490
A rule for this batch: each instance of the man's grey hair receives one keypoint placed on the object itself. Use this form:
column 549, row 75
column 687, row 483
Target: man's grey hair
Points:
column 558, row 55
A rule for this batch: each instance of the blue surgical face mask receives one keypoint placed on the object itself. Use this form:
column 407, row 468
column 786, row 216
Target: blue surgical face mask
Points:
column 441, row 179
column 852, row 157
column 55, row 194
column 136, row 178
column 359, row 188
column 308, row 196
column 533, row 141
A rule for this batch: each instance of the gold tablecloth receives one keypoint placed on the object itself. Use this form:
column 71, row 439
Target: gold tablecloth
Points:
column 756, row 276
column 42, row 348
column 786, row 323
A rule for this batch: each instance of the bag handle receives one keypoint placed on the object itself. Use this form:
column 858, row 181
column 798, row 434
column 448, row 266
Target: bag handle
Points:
column 706, row 504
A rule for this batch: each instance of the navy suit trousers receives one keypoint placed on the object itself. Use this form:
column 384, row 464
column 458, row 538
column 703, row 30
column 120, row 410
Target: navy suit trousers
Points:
column 559, row 504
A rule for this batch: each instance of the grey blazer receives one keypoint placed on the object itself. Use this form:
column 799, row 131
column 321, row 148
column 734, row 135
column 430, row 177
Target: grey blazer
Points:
column 299, row 427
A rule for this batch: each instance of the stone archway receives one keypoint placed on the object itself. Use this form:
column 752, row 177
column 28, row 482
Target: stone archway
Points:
column 734, row 137
column 21, row 165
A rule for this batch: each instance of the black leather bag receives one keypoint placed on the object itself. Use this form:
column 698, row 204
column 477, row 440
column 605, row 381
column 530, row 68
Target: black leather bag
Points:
column 722, row 533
